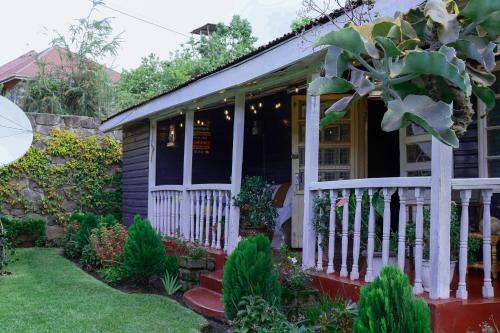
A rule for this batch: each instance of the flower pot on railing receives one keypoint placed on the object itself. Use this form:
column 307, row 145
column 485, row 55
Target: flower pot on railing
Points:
column 377, row 262
column 426, row 273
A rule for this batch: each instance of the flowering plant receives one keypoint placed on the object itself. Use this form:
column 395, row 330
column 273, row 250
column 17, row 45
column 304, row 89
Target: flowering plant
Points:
column 108, row 242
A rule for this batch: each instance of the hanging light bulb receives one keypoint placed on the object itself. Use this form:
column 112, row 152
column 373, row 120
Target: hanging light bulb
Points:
column 226, row 112
column 252, row 107
column 296, row 89
column 181, row 125
column 254, row 111
column 260, row 104
column 277, row 105
column 225, row 100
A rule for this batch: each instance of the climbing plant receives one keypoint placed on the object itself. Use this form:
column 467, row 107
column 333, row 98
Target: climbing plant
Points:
column 427, row 63
column 68, row 172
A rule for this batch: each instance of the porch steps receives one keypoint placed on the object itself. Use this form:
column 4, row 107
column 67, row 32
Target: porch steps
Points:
column 207, row 298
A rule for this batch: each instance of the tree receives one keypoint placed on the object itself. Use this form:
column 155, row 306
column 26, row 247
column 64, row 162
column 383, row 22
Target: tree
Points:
column 427, row 63
column 78, row 84
column 198, row 55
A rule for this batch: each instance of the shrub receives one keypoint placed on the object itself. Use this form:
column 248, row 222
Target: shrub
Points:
column 35, row 228
column 108, row 242
column 87, row 222
column 107, row 220
column 255, row 314
column 170, row 283
column 89, row 260
column 172, row 265
column 112, row 275
column 144, row 254
column 387, row 305
column 70, row 246
column 249, row 271
column 331, row 315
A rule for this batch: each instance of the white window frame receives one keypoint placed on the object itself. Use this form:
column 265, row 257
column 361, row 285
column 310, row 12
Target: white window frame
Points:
column 482, row 134
column 404, row 140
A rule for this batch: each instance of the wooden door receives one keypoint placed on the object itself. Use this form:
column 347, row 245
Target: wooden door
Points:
column 342, row 152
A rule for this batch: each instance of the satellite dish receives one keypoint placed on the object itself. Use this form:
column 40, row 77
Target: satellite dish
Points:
column 16, row 133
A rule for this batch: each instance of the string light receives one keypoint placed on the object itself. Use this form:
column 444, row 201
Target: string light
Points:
column 296, row 89
column 197, row 108
column 225, row 100
column 181, row 113
column 198, row 122
column 181, row 125
column 226, row 112
column 252, row 107
column 254, row 111
column 277, row 105
column 260, row 104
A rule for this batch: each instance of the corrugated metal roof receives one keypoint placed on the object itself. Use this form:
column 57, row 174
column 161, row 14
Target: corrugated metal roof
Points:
column 258, row 50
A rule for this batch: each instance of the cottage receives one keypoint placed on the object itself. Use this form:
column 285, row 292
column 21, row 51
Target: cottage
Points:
column 186, row 152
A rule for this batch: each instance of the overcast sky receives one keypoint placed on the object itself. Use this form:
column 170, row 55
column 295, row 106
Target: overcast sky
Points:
column 29, row 24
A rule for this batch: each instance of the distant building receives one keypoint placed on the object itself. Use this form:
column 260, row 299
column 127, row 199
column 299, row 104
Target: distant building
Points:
column 26, row 67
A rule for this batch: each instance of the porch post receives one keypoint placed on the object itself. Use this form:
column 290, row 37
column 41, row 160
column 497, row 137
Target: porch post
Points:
column 310, row 175
column 187, row 174
column 151, row 170
column 442, row 168
column 236, row 171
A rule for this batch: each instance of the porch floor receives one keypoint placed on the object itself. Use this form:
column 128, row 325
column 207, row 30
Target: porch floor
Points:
column 451, row 315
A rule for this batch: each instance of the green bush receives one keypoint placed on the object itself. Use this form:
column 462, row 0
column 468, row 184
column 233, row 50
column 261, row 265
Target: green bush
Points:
column 31, row 227
column 249, row 271
column 331, row 315
column 87, row 222
column 387, row 305
column 90, row 260
column 71, row 249
column 144, row 254
column 256, row 315
column 172, row 265
column 112, row 275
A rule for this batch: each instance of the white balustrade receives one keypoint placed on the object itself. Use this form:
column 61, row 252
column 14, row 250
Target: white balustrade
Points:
column 412, row 198
column 166, row 210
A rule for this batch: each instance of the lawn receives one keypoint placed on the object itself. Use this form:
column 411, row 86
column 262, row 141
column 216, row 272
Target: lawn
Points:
column 47, row 293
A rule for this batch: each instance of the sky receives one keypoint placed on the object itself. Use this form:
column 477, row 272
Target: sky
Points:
column 30, row 24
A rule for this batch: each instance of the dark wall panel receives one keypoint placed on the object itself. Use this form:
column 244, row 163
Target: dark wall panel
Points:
column 268, row 139
column 170, row 151
column 135, row 170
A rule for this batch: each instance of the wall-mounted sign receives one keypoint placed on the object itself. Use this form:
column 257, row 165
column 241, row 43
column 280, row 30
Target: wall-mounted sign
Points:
column 202, row 138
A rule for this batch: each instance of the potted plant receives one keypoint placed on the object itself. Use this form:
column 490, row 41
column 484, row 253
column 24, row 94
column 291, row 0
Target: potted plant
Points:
column 255, row 201
column 454, row 243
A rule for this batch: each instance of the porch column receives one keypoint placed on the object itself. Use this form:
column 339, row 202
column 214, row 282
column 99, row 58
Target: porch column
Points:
column 236, row 171
column 310, row 175
column 442, row 168
column 187, row 174
column 151, row 170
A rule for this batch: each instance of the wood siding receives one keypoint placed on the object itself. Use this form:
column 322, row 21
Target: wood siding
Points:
column 135, row 170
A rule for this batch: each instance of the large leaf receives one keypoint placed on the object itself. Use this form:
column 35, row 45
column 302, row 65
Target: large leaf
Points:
column 338, row 109
column 362, row 85
column 480, row 77
column 382, row 27
column 479, row 10
column 449, row 27
column 430, row 63
column 475, row 48
column 347, row 38
column 417, row 19
column 323, row 85
column 492, row 25
column 434, row 117
column 486, row 95
column 390, row 49
column 336, row 62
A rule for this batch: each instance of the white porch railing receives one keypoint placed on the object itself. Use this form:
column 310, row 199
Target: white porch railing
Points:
column 166, row 206
column 411, row 191
column 208, row 208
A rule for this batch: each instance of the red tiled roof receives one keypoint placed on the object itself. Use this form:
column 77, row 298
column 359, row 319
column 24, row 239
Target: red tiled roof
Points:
column 26, row 66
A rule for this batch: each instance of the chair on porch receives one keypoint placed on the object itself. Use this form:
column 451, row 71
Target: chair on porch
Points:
column 495, row 240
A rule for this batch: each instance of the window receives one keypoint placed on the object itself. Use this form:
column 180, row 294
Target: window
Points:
column 415, row 152
column 489, row 136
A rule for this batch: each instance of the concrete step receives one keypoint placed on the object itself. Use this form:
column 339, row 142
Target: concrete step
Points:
column 212, row 281
column 206, row 302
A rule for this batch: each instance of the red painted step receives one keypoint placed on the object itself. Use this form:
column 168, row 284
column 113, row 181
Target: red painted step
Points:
column 212, row 281
column 205, row 301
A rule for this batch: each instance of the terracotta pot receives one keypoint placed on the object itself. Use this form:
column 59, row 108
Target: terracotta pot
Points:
column 250, row 231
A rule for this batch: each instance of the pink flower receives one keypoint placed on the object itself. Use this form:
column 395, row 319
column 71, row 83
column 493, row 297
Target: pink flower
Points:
column 341, row 202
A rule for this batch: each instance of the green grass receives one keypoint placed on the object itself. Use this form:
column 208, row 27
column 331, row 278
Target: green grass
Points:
column 47, row 293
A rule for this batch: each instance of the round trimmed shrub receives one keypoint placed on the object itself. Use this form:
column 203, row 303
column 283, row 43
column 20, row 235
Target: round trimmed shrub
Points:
column 144, row 253
column 387, row 305
column 249, row 271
